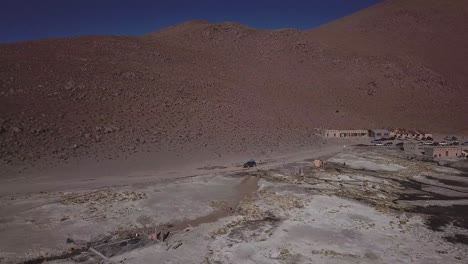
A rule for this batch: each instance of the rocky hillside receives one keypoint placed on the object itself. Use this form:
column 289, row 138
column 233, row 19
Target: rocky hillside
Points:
column 229, row 88
column 430, row 32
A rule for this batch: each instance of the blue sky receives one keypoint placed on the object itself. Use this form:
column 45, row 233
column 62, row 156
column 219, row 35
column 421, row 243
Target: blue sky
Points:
column 22, row 20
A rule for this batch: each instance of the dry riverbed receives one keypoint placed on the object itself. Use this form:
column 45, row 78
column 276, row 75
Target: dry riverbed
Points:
column 368, row 205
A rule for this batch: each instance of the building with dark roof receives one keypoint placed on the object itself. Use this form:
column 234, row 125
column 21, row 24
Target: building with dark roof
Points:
column 379, row 133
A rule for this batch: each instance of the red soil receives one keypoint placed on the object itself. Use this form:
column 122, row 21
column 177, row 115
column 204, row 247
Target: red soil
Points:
column 227, row 87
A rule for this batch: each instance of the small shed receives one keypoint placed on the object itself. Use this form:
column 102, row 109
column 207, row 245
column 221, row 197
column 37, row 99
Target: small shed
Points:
column 412, row 147
column 319, row 164
column 465, row 153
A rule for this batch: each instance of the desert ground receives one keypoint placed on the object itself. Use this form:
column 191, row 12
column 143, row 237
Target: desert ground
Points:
column 368, row 205
column 129, row 149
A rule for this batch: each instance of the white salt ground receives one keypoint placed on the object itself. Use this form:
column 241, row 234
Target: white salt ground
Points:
column 334, row 230
column 357, row 162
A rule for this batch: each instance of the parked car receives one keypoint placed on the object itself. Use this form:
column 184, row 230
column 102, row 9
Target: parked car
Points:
column 455, row 143
column 378, row 143
column 428, row 143
column 388, row 143
column 250, row 163
column 399, row 144
column 443, row 143
column 465, row 143
column 435, row 143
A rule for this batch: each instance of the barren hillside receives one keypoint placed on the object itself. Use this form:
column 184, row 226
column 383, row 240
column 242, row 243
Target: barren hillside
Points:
column 430, row 32
column 229, row 88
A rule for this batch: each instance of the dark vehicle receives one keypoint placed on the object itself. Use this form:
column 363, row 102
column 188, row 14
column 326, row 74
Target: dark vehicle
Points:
column 400, row 144
column 429, row 138
column 465, row 143
column 250, row 164
column 388, row 143
column 392, row 138
column 455, row 143
column 451, row 138
column 435, row 144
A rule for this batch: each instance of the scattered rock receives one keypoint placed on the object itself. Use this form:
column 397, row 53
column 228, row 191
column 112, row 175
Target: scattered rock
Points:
column 177, row 245
column 129, row 75
column 166, row 235
column 36, row 131
column 111, row 129
column 102, row 197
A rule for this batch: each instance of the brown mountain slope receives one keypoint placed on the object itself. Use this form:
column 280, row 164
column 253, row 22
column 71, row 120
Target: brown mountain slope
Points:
column 203, row 87
column 432, row 32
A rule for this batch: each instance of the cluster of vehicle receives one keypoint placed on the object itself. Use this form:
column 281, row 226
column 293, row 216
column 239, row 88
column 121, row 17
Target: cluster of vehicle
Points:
column 448, row 141
column 453, row 141
column 444, row 143
column 381, row 141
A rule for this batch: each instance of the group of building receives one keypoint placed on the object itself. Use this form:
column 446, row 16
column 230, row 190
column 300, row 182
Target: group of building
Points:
column 375, row 133
column 435, row 151
column 411, row 147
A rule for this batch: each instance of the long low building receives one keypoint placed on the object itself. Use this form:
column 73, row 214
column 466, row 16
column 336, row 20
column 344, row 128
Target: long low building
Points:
column 443, row 152
column 338, row 133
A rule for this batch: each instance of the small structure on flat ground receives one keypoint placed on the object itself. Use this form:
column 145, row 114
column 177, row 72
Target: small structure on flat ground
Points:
column 465, row 153
column 412, row 148
column 443, row 152
column 338, row 133
column 319, row 164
